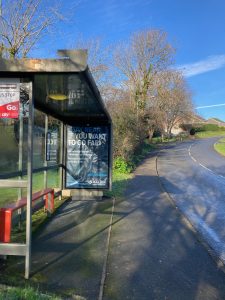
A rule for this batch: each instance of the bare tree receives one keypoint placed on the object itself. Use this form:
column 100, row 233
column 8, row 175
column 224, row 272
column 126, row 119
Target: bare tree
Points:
column 127, row 137
column 97, row 55
column 138, row 61
column 23, row 23
column 174, row 100
column 100, row 62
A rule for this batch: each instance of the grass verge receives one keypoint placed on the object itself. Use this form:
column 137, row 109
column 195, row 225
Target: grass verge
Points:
column 119, row 184
column 220, row 146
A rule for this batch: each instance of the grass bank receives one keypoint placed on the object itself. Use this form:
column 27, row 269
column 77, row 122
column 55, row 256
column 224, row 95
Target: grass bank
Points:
column 208, row 134
column 220, row 146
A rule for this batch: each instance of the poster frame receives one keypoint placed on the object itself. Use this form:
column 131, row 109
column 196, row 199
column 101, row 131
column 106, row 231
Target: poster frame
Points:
column 94, row 187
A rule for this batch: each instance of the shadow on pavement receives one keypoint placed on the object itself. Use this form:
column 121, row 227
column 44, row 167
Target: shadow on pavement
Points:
column 153, row 255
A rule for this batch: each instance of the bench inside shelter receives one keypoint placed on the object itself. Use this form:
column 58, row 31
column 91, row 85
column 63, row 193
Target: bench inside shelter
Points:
column 6, row 213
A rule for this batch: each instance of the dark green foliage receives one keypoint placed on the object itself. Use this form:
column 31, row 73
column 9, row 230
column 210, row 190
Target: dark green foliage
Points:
column 192, row 131
column 122, row 165
column 127, row 166
column 209, row 127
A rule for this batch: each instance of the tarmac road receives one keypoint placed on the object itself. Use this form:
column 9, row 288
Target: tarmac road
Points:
column 194, row 176
column 153, row 254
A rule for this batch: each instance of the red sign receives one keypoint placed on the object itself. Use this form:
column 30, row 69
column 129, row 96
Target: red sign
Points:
column 9, row 98
column 10, row 110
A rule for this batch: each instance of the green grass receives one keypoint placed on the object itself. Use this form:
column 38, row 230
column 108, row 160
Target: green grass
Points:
column 119, row 184
column 207, row 134
column 15, row 293
column 220, row 146
column 9, row 195
column 158, row 140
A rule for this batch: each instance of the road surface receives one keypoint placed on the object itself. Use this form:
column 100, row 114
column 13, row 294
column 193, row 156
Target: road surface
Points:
column 194, row 176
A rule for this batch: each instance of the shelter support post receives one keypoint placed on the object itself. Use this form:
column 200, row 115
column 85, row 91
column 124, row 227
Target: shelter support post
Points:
column 61, row 162
column 29, row 186
column 46, row 163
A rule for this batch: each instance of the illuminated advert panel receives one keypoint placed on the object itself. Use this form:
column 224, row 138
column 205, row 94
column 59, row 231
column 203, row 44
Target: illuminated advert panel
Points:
column 87, row 157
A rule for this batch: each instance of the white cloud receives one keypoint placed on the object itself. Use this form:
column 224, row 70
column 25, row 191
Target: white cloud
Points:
column 209, row 106
column 209, row 64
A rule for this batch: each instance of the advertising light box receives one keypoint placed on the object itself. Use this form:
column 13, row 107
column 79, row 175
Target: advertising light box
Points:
column 87, row 161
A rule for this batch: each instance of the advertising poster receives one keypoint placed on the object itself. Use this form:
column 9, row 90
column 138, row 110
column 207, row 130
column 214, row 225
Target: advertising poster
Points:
column 9, row 97
column 87, row 157
column 52, row 147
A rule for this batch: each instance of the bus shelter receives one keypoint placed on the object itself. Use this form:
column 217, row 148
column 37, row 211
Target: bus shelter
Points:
column 55, row 132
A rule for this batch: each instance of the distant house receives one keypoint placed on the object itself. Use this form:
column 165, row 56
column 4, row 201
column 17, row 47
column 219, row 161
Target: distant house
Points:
column 185, row 124
column 216, row 121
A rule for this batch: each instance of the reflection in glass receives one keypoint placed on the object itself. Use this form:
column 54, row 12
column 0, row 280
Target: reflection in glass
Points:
column 39, row 139
column 38, row 181
column 9, row 195
column 53, row 178
column 9, row 145
column 53, row 141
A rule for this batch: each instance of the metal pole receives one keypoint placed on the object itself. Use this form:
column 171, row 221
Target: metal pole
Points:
column 29, row 187
column 46, row 163
column 61, row 145
column 110, row 156
column 64, row 154
column 20, row 166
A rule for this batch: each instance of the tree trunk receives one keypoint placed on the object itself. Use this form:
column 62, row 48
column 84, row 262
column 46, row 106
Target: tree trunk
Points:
column 150, row 134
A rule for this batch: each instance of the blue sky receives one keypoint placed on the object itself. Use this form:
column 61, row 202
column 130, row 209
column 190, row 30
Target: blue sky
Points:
column 196, row 28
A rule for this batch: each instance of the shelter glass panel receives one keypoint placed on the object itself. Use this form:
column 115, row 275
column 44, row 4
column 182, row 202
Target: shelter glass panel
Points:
column 39, row 139
column 9, row 145
column 53, row 178
column 38, row 181
column 53, row 142
column 14, row 113
column 66, row 96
